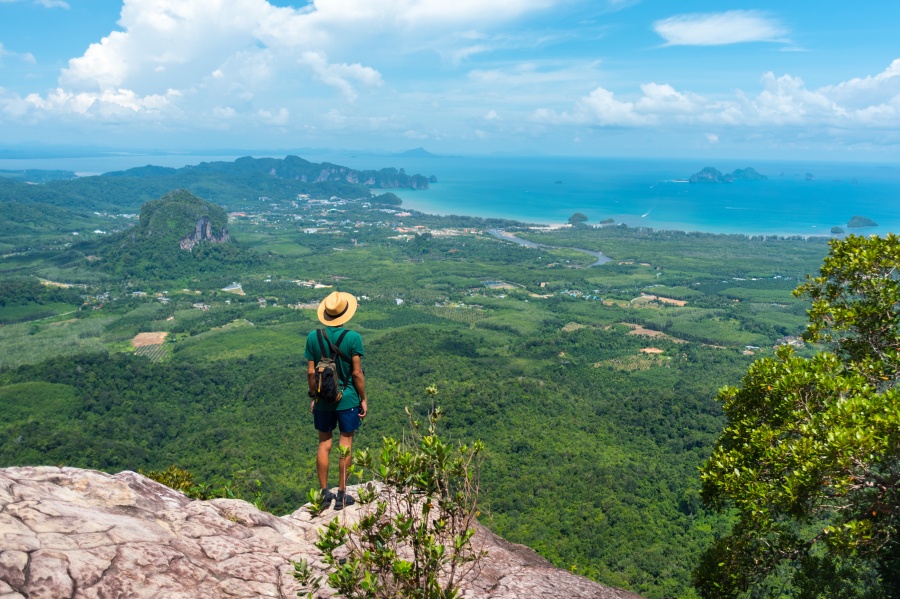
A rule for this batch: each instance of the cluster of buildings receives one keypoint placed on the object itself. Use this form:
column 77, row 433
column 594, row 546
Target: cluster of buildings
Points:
column 321, row 216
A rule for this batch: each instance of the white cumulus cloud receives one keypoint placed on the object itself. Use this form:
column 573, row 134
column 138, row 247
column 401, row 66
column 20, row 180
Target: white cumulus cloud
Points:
column 175, row 40
column 783, row 102
column 167, row 43
column 883, row 88
column 247, row 53
column 12, row 106
column 600, row 108
column 662, row 99
column 716, row 29
column 108, row 103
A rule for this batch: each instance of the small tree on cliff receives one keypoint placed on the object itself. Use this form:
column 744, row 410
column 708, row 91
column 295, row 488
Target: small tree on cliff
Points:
column 416, row 523
column 810, row 457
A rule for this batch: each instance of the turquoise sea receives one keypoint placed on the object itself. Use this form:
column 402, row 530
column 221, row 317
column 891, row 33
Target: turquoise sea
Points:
column 635, row 192
column 645, row 193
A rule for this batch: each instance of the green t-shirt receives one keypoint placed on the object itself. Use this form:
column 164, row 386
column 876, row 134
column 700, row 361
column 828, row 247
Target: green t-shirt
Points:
column 351, row 345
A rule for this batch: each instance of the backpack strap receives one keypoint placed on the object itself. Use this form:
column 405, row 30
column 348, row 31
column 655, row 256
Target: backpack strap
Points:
column 320, row 334
column 336, row 347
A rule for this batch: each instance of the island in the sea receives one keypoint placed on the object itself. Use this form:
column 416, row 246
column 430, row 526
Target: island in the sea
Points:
column 713, row 175
column 861, row 221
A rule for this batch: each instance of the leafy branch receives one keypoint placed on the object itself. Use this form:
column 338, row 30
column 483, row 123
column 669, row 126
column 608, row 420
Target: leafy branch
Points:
column 414, row 537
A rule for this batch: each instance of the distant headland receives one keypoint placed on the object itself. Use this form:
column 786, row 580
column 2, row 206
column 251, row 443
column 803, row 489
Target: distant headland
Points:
column 713, row 175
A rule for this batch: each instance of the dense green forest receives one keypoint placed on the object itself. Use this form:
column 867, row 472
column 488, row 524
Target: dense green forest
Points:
column 593, row 388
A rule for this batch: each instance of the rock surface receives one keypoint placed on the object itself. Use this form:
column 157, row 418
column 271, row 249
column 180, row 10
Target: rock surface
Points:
column 203, row 231
column 71, row 533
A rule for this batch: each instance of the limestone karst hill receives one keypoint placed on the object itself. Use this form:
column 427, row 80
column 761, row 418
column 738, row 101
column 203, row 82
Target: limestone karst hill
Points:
column 174, row 234
column 71, row 533
column 173, row 215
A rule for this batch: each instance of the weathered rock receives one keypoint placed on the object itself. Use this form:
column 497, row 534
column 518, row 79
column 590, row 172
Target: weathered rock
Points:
column 67, row 533
column 203, row 231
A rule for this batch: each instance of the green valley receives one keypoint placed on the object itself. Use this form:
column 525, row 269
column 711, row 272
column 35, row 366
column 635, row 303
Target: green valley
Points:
column 592, row 387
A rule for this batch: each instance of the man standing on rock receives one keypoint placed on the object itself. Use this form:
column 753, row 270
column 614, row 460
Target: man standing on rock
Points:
column 346, row 415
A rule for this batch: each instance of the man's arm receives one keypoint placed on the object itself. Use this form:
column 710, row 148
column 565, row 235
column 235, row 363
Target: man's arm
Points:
column 359, row 381
column 311, row 380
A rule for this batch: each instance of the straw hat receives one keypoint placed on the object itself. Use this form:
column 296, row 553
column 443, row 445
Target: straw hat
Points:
column 337, row 308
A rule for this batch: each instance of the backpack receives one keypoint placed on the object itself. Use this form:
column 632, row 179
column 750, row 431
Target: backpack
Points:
column 329, row 387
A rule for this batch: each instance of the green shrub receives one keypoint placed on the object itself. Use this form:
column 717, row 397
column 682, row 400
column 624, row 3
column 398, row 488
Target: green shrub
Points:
column 416, row 521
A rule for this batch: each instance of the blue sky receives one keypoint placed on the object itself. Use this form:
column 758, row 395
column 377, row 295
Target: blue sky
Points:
column 796, row 79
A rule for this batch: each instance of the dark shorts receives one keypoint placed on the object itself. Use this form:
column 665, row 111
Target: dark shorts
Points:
column 347, row 421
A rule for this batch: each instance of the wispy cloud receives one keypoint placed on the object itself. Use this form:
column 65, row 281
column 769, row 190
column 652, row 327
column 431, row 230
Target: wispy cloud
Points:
column 614, row 5
column 24, row 56
column 44, row 3
column 717, row 29
column 341, row 76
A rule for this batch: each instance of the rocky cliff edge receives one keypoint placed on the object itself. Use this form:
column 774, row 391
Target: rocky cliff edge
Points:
column 71, row 533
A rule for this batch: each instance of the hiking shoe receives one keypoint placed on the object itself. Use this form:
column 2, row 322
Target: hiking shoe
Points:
column 327, row 498
column 342, row 500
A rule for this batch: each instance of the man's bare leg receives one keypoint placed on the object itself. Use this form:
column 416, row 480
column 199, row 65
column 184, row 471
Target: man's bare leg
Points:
column 322, row 458
column 346, row 441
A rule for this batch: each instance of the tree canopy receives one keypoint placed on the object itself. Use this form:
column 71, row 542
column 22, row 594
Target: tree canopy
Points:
column 810, row 456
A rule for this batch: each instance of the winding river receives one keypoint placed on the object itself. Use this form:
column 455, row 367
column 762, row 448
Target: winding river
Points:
column 501, row 234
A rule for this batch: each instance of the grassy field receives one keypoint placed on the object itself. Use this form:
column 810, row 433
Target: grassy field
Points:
column 13, row 314
column 30, row 343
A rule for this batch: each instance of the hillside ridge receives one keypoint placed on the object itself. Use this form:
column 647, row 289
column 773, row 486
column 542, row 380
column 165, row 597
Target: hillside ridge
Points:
column 232, row 184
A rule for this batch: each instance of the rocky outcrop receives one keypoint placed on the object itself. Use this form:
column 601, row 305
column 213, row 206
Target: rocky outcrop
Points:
column 861, row 221
column 203, row 231
column 747, row 174
column 707, row 175
column 71, row 533
column 712, row 175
